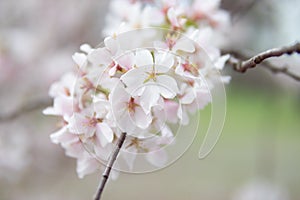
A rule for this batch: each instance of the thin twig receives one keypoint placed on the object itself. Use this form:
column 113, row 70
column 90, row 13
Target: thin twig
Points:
column 25, row 108
column 241, row 64
column 109, row 166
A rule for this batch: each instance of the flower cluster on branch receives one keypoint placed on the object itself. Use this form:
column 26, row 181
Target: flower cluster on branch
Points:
column 125, row 86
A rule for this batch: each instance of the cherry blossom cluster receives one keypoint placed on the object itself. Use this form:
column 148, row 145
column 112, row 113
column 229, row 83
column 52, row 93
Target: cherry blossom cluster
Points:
column 127, row 86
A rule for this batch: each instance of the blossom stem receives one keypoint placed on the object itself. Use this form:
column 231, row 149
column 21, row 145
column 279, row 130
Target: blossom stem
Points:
column 109, row 166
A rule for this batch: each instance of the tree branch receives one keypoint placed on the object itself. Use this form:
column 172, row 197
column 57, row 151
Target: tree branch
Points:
column 109, row 166
column 25, row 108
column 241, row 64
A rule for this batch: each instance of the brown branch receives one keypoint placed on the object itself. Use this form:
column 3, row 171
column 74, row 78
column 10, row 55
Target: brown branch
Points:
column 25, row 108
column 109, row 166
column 241, row 64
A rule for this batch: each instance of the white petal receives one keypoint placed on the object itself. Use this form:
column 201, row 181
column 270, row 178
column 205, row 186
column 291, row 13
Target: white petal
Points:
column 60, row 136
column 219, row 64
column 143, row 58
column 173, row 17
column 112, row 45
column 142, row 119
column 49, row 111
column 134, row 80
column 80, row 59
column 100, row 56
column 184, row 44
column 182, row 115
column 126, row 124
column 86, row 48
column 188, row 97
column 112, row 71
column 86, row 166
column 129, row 156
column 149, row 98
column 104, row 133
column 226, row 79
column 167, row 86
column 164, row 61
column 79, row 124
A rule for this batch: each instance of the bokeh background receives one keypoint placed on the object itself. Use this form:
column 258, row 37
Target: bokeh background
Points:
column 256, row 156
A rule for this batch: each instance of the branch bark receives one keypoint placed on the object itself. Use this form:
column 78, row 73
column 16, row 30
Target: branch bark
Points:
column 241, row 64
column 109, row 166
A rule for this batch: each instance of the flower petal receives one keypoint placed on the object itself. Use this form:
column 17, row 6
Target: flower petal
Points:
column 143, row 58
column 184, row 44
column 142, row 119
column 104, row 134
column 167, row 86
column 80, row 59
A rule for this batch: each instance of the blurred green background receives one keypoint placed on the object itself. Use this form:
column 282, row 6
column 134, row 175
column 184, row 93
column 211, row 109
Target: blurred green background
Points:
column 257, row 153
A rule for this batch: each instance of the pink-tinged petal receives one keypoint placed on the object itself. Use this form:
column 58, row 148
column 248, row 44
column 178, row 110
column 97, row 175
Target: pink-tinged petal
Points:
column 86, row 165
column 64, row 87
column 81, row 124
column 179, row 70
column 100, row 56
column 171, row 108
column 74, row 149
column 184, row 44
column 143, row 58
column 203, row 98
column 126, row 61
column 188, row 97
column 171, row 14
column 157, row 158
column 80, row 59
column 104, row 134
column 167, row 86
column 62, row 106
column 142, row 119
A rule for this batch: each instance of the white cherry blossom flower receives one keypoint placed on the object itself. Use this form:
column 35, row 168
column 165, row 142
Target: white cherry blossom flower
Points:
column 149, row 80
column 123, row 86
column 128, row 112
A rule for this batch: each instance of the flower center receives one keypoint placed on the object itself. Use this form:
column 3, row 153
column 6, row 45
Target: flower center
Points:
column 131, row 105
